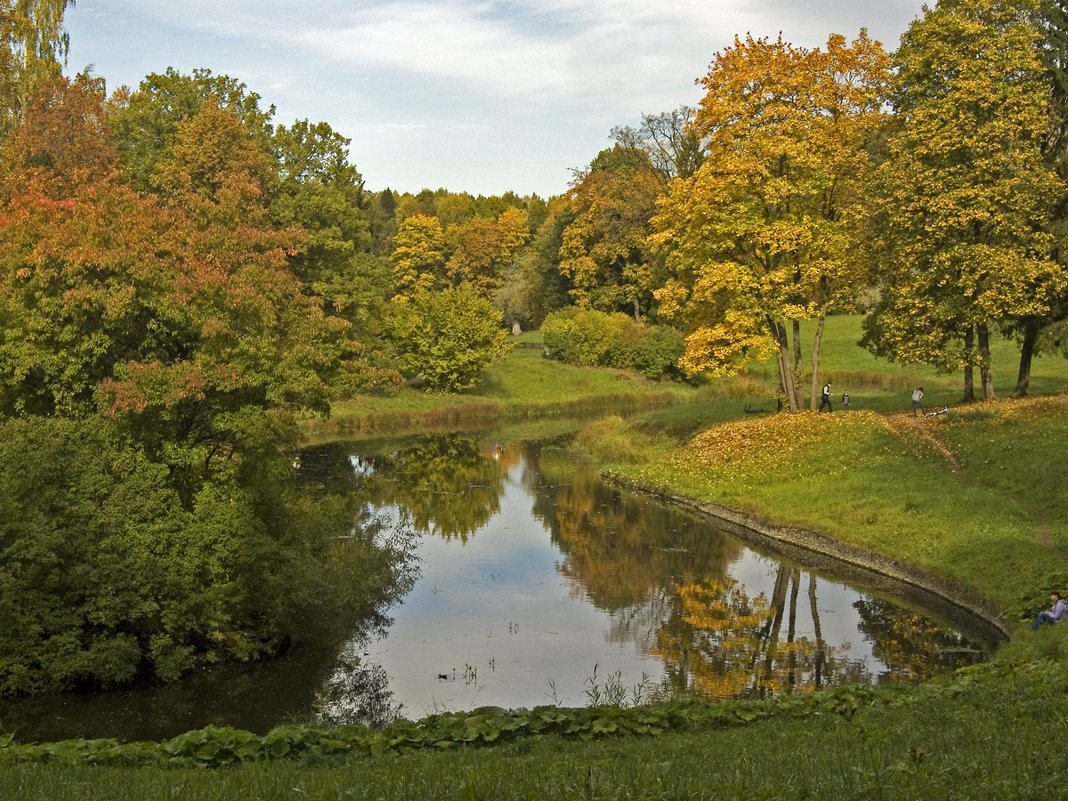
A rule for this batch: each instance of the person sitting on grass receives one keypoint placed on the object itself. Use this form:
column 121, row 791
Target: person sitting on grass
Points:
column 1056, row 613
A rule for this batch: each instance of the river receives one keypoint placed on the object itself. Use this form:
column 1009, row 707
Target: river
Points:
column 534, row 583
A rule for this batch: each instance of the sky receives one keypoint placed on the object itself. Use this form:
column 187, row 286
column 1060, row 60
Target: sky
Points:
column 479, row 96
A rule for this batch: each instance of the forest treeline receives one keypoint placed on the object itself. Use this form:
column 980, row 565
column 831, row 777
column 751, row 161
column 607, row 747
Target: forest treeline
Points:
column 182, row 277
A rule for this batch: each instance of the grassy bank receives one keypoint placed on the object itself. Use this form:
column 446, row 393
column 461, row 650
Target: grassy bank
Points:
column 990, row 732
column 524, row 386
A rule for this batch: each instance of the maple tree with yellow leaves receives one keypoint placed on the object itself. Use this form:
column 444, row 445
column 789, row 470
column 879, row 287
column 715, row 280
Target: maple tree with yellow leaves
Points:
column 764, row 233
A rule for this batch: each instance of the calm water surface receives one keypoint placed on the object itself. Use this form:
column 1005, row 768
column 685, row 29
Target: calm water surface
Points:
column 536, row 584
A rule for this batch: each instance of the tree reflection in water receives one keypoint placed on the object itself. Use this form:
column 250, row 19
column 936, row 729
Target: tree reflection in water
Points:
column 666, row 582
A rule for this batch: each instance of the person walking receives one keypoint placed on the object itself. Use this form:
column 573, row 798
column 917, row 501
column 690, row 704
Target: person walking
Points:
column 916, row 396
column 845, row 398
column 826, row 399
column 1055, row 614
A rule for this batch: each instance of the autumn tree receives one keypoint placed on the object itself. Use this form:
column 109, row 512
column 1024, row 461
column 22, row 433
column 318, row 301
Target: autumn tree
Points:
column 533, row 285
column 178, row 317
column 418, row 255
column 764, row 232
column 1048, row 331
column 33, row 49
column 483, row 249
column 605, row 251
column 964, row 191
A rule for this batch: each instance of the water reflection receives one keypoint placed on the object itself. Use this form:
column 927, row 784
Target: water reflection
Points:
column 534, row 578
column 556, row 575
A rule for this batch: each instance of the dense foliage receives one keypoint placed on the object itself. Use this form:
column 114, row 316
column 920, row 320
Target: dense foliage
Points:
column 182, row 279
column 447, row 337
column 592, row 338
column 105, row 575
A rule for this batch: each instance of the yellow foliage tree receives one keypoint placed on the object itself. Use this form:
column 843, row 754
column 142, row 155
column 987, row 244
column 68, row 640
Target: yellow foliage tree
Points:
column 605, row 250
column 765, row 231
column 964, row 194
column 418, row 255
column 483, row 248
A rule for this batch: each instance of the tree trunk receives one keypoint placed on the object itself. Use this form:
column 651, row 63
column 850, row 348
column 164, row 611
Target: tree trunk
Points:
column 984, row 361
column 1027, row 352
column 969, row 381
column 786, row 373
column 796, row 326
column 817, row 339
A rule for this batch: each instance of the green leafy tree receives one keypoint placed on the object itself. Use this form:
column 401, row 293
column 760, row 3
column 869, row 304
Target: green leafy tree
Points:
column 447, row 337
column 106, row 575
column 146, row 120
column 382, row 221
column 320, row 191
column 964, row 192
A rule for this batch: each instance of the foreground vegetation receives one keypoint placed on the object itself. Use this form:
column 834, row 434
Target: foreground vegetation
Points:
column 989, row 733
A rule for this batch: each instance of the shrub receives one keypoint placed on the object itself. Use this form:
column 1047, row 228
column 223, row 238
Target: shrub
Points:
column 591, row 338
column 657, row 352
column 448, row 337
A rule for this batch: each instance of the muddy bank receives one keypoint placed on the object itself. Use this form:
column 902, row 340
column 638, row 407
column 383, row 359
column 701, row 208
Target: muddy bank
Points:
column 962, row 606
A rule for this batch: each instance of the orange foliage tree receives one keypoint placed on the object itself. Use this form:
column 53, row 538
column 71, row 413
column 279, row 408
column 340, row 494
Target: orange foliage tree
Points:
column 175, row 315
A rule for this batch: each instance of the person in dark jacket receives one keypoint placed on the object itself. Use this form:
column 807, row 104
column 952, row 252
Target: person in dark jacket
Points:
column 826, row 399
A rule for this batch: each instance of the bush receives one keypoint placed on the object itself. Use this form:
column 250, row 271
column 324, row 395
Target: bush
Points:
column 590, row 338
column 448, row 338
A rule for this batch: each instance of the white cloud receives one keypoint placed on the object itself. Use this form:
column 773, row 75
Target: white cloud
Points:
column 434, row 90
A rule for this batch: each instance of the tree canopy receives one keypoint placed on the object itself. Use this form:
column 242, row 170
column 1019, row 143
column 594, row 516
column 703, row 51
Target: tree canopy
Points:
column 764, row 231
column 964, row 193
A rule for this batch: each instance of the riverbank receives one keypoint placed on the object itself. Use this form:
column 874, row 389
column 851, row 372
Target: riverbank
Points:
column 989, row 732
column 970, row 499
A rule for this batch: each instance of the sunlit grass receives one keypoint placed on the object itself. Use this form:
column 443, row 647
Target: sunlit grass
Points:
column 973, row 496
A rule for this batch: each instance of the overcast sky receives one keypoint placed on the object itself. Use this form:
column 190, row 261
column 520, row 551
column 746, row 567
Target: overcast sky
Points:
column 482, row 96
